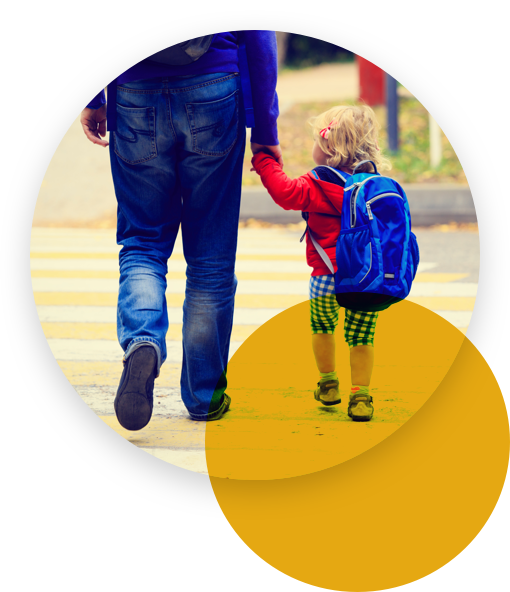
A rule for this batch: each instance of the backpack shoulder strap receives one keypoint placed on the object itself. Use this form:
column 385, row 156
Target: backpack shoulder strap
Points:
column 331, row 175
column 322, row 252
column 327, row 173
column 365, row 162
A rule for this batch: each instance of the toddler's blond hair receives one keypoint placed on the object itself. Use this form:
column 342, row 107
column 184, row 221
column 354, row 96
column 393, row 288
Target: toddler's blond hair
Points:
column 352, row 139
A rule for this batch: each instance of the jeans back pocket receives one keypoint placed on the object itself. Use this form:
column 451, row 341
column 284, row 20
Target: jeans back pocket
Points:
column 214, row 125
column 135, row 139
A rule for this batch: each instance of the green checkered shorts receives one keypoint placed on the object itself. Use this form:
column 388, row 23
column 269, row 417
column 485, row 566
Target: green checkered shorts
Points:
column 359, row 327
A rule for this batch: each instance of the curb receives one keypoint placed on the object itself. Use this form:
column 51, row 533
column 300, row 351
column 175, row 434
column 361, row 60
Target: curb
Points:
column 429, row 204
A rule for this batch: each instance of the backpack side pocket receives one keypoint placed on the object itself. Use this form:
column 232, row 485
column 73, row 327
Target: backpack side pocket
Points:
column 356, row 258
column 387, row 210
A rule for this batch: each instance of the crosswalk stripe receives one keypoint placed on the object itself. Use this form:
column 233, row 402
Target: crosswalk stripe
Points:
column 251, row 266
column 109, row 331
column 173, row 300
column 242, row 300
column 255, row 265
column 242, row 316
column 107, row 374
column 241, row 275
column 256, row 256
column 252, row 287
column 109, row 351
column 108, row 314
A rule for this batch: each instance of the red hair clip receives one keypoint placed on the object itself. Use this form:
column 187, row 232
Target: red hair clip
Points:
column 325, row 131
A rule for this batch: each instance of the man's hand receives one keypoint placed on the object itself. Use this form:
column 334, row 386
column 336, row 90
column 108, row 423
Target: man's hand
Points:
column 275, row 151
column 93, row 122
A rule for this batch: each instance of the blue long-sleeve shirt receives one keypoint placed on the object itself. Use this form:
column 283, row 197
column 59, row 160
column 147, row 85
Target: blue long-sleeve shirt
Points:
column 222, row 56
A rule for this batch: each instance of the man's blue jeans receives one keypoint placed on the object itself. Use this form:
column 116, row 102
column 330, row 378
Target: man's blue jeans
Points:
column 176, row 159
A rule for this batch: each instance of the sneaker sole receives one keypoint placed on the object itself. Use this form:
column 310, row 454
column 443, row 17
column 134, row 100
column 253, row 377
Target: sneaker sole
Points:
column 131, row 406
column 360, row 417
column 327, row 403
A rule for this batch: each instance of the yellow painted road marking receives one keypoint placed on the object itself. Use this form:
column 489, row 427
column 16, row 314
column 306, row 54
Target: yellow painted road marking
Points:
column 441, row 278
column 109, row 331
column 173, row 300
column 85, row 273
column 444, row 302
column 77, row 299
column 242, row 300
column 171, row 275
column 175, row 256
column 171, row 432
column 242, row 275
column 71, row 255
column 108, row 373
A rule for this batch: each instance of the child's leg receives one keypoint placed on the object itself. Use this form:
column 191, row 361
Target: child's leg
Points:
column 323, row 345
column 324, row 319
column 359, row 330
column 362, row 364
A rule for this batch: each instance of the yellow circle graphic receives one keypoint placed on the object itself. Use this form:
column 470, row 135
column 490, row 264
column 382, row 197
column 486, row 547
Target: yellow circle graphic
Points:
column 386, row 517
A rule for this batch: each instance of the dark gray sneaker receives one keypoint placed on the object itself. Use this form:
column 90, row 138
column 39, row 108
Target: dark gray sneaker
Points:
column 327, row 393
column 134, row 401
column 224, row 407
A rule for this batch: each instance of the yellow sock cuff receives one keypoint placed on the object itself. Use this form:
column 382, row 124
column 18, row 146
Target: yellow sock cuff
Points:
column 328, row 376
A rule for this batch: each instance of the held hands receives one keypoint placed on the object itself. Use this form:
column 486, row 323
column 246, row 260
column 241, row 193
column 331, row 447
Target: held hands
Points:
column 93, row 122
column 274, row 151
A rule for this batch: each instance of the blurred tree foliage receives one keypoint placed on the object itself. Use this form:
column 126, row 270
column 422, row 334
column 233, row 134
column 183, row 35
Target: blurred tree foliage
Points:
column 300, row 51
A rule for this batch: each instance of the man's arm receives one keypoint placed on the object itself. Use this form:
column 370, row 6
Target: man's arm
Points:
column 261, row 54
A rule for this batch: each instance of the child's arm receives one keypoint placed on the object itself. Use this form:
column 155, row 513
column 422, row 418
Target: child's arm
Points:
column 290, row 194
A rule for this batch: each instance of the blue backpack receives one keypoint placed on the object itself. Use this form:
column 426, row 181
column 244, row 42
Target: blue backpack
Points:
column 183, row 53
column 376, row 253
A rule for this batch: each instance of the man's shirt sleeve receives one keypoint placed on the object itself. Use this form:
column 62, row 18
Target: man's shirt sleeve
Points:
column 261, row 54
column 97, row 101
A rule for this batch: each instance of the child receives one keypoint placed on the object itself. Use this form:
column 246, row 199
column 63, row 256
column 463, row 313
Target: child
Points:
column 343, row 137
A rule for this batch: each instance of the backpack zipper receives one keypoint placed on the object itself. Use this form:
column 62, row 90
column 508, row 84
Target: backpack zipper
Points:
column 369, row 209
column 354, row 196
column 370, row 245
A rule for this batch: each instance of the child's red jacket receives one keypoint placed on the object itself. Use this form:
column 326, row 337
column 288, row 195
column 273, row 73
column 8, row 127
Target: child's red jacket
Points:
column 322, row 200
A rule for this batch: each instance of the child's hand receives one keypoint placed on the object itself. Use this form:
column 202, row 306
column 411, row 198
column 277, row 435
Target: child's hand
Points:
column 274, row 151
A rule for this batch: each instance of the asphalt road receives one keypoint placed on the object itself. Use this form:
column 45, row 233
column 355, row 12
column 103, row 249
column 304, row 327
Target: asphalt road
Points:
column 450, row 251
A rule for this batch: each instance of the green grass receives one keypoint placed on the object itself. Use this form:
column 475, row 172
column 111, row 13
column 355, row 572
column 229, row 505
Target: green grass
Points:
column 409, row 165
